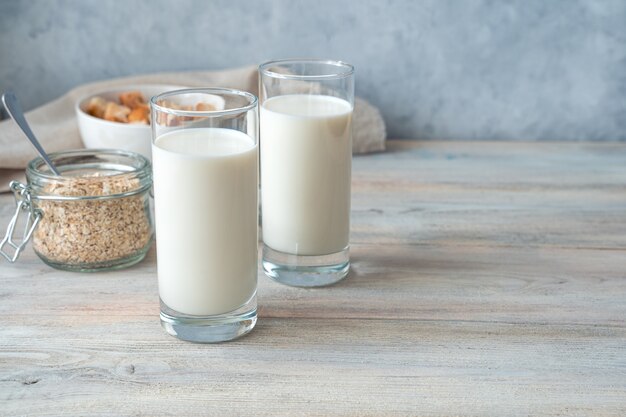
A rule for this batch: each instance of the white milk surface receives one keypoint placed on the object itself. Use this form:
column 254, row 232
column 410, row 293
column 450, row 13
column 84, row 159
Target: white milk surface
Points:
column 306, row 159
column 205, row 194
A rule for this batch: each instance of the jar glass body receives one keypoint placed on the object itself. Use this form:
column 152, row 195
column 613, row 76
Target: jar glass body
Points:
column 97, row 215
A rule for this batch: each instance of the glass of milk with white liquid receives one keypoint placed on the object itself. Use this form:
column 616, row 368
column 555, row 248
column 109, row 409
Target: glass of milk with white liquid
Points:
column 306, row 157
column 205, row 164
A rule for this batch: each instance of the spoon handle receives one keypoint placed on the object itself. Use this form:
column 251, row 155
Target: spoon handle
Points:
column 15, row 111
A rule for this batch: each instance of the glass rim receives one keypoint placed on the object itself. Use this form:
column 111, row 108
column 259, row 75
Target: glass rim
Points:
column 252, row 102
column 348, row 69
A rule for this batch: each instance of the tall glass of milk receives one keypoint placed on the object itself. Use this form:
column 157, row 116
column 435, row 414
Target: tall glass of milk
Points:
column 205, row 163
column 306, row 158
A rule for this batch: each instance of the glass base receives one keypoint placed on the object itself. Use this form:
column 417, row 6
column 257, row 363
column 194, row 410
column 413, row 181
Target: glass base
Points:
column 305, row 271
column 210, row 329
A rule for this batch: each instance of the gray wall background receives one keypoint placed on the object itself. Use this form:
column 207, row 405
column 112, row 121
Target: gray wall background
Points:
column 438, row 69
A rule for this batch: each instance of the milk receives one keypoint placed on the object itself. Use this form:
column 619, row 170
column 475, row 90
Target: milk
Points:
column 306, row 156
column 205, row 192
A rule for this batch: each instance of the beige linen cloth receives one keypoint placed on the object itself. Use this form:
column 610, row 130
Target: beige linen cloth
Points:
column 55, row 124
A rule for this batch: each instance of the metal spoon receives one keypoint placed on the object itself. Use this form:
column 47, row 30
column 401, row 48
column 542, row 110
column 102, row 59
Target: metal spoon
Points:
column 15, row 111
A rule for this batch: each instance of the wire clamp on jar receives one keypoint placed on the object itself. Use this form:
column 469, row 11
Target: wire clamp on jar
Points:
column 23, row 203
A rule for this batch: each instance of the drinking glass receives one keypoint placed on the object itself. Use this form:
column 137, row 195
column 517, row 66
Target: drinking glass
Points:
column 306, row 157
column 205, row 163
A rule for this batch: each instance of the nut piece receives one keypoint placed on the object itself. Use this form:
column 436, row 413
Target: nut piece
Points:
column 96, row 107
column 173, row 120
column 205, row 107
column 140, row 115
column 116, row 113
column 132, row 99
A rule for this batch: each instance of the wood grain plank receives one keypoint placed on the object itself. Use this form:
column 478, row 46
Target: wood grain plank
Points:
column 488, row 194
column 500, row 165
column 316, row 367
column 503, row 284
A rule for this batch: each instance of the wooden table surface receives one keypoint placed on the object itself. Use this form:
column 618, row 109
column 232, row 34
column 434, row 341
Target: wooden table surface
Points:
column 488, row 279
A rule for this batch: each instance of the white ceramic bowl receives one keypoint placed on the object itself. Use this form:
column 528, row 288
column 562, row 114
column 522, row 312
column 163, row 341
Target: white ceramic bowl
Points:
column 104, row 134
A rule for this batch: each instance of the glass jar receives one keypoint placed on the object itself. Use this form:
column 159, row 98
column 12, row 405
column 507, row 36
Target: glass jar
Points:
column 95, row 216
